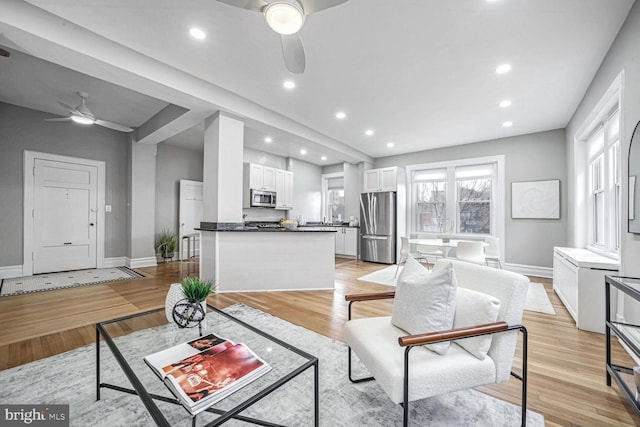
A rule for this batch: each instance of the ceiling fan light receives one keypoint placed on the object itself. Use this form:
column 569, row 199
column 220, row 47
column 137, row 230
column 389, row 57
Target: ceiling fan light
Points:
column 82, row 119
column 283, row 17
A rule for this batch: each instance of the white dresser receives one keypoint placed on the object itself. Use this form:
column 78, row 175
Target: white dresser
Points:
column 578, row 279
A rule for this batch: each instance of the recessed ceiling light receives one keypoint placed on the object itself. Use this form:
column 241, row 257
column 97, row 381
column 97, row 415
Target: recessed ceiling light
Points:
column 505, row 103
column 507, row 124
column 323, row 158
column 369, row 132
column 268, row 140
column 289, row 84
column 503, row 68
column 390, row 144
column 341, row 115
column 197, row 33
column 303, row 151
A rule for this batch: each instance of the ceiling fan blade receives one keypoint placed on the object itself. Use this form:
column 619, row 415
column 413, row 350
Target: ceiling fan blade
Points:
column 293, row 53
column 114, row 126
column 313, row 6
column 58, row 119
column 69, row 107
column 255, row 5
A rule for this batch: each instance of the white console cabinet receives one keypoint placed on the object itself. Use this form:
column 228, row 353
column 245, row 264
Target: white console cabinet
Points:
column 578, row 280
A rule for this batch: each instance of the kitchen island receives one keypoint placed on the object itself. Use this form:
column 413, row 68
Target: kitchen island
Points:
column 245, row 259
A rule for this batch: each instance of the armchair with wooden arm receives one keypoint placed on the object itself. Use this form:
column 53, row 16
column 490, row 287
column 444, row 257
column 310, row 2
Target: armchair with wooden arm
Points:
column 407, row 371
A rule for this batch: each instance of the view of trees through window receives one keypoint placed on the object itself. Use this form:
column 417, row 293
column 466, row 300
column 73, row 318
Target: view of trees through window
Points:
column 335, row 205
column 430, row 206
column 454, row 195
column 474, row 205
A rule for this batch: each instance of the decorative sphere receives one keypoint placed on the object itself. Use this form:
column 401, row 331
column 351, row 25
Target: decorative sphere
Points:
column 187, row 314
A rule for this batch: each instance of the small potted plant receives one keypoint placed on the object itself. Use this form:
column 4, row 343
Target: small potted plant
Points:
column 196, row 290
column 166, row 244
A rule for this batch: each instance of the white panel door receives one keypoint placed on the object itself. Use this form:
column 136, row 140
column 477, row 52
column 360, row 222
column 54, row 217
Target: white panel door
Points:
column 190, row 215
column 64, row 216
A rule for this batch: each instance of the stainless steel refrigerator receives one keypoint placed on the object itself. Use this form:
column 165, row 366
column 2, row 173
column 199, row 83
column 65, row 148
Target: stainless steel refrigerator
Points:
column 378, row 227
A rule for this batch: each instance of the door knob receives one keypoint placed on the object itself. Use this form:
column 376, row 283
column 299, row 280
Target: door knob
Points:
column 91, row 224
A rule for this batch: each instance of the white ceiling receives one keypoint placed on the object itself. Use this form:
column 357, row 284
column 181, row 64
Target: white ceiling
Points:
column 421, row 73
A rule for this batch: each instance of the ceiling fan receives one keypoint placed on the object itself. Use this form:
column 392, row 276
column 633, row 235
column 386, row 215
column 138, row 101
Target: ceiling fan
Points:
column 81, row 114
column 286, row 17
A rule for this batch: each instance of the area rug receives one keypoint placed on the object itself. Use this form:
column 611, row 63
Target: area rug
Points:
column 537, row 299
column 69, row 378
column 67, row 279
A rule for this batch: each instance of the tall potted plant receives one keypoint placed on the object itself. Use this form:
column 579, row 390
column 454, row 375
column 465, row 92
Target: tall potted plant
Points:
column 166, row 244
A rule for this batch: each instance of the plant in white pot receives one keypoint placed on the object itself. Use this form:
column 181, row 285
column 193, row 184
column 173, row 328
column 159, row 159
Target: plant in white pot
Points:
column 193, row 289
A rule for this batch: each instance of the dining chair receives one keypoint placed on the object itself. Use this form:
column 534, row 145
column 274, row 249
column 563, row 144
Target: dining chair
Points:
column 427, row 251
column 492, row 251
column 471, row 252
column 405, row 253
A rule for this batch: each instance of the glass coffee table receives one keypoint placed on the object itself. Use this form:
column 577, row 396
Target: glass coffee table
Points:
column 131, row 338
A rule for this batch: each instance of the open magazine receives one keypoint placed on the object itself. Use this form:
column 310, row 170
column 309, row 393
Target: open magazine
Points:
column 203, row 371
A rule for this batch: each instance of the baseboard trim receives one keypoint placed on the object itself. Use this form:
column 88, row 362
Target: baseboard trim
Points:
column 11, row 271
column 141, row 262
column 530, row 270
column 114, row 262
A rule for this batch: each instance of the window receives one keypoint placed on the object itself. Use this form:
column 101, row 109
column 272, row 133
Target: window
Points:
column 430, row 200
column 603, row 146
column 333, row 196
column 474, row 199
column 597, row 199
column 455, row 197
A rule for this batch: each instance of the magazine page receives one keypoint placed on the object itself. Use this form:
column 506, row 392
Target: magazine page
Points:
column 157, row 361
column 207, row 377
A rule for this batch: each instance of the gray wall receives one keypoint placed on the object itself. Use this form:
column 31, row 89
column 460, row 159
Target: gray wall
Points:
column 624, row 54
column 307, row 190
column 538, row 156
column 25, row 129
column 172, row 165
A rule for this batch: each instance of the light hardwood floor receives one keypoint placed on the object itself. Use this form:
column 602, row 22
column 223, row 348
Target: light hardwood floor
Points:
column 566, row 366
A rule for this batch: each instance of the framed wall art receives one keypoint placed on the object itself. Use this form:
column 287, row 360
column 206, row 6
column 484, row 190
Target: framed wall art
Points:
column 535, row 199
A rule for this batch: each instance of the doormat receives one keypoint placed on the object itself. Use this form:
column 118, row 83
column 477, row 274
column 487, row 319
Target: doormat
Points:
column 66, row 279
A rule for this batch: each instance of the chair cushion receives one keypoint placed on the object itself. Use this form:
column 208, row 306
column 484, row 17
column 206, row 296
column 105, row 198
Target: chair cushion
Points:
column 375, row 342
column 425, row 301
column 475, row 308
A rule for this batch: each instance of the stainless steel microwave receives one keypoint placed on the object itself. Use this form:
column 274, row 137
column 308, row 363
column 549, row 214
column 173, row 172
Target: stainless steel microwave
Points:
column 263, row 199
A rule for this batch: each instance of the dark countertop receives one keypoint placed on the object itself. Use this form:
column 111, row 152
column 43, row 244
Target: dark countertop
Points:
column 312, row 227
column 305, row 229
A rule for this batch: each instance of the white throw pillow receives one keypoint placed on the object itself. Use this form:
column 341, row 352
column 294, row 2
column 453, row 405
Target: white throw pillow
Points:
column 425, row 301
column 475, row 308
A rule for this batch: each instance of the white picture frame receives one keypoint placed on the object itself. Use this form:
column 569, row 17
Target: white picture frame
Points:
column 535, row 199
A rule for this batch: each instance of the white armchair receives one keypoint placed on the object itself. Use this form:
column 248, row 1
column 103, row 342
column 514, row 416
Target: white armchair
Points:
column 407, row 371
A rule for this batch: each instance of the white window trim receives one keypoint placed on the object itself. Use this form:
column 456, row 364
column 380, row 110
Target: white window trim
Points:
column 498, row 197
column 583, row 223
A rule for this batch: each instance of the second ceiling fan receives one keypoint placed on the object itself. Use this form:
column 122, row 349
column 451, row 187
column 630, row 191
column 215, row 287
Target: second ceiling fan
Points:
column 286, row 17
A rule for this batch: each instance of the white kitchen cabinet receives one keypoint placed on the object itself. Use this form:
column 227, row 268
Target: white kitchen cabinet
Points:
column 384, row 179
column 578, row 280
column 260, row 177
column 284, row 189
column 347, row 241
